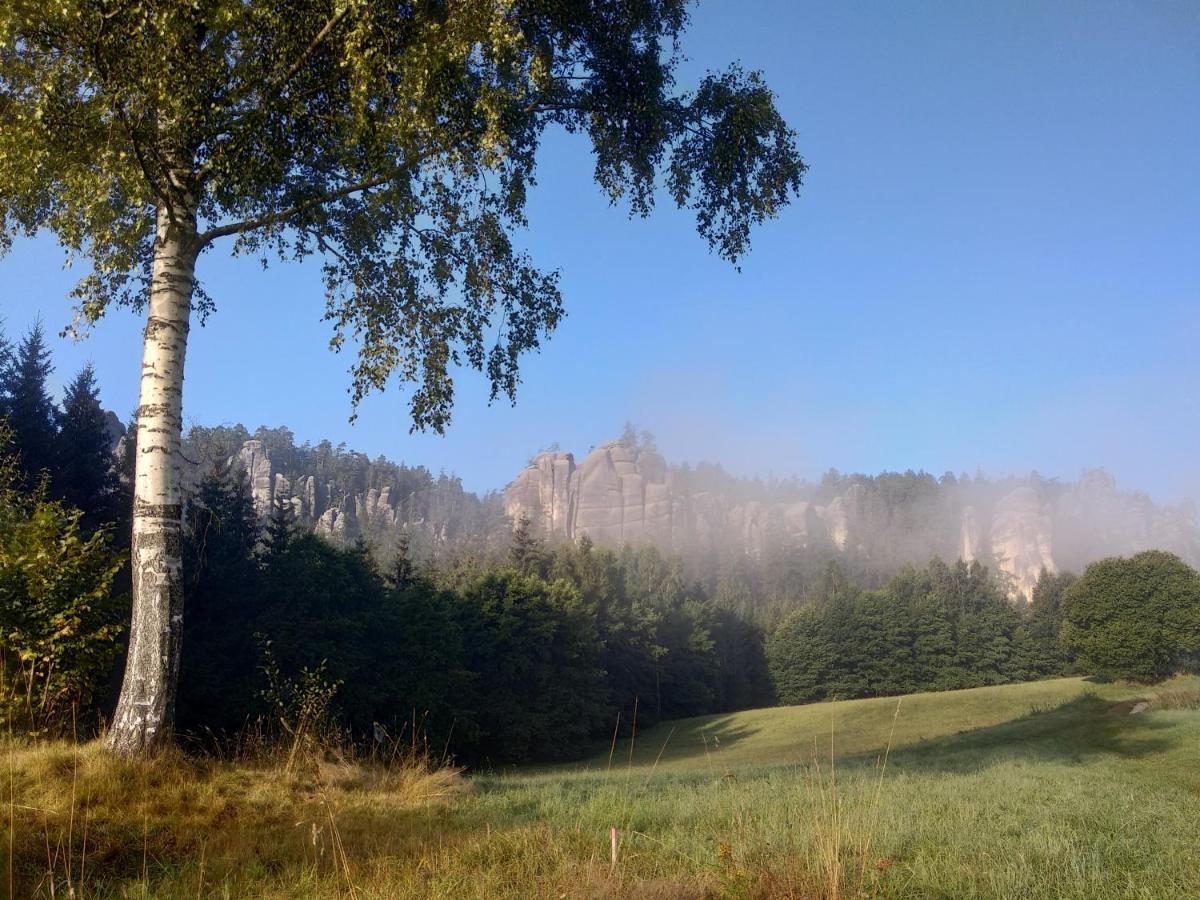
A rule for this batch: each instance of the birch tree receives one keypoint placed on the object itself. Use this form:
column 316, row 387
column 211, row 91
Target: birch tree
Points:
column 396, row 141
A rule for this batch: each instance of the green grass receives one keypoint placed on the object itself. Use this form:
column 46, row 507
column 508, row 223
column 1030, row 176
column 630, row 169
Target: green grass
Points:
column 1048, row 789
column 791, row 734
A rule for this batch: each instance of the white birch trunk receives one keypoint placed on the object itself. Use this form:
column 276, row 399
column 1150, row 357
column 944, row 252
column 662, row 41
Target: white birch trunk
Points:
column 145, row 713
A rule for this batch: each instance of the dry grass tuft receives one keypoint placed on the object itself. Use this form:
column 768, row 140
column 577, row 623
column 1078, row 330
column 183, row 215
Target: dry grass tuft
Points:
column 80, row 817
column 1179, row 693
column 416, row 784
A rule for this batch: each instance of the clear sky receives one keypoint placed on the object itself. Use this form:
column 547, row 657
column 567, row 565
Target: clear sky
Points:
column 995, row 263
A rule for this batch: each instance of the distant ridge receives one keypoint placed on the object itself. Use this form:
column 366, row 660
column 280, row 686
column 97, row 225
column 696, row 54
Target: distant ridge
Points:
column 624, row 491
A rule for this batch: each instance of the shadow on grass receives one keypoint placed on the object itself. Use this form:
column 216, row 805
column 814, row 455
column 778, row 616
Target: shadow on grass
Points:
column 693, row 739
column 1086, row 726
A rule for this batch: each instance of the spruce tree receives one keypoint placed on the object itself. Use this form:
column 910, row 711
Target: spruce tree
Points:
column 6, row 367
column 85, row 477
column 223, row 585
column 31, row 413
column 278, row 532
column 403, row 572
column 1047, row 655
column 526, row 553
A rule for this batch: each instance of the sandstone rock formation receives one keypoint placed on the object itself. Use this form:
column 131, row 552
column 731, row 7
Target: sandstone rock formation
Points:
column 616, row 495
column 343, row 496
column 621, row 494
column 969, row 535
column 542, row 491
column 253, row 460
column 626, row 494
column 1021, row 539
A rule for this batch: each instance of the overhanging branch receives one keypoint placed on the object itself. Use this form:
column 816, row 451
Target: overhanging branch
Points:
column 284, row 215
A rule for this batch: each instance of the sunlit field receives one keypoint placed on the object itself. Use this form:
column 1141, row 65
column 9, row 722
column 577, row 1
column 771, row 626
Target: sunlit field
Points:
column 1049, row 789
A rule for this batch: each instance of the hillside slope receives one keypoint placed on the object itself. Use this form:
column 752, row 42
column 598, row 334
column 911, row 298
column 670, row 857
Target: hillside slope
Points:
column 790, row 735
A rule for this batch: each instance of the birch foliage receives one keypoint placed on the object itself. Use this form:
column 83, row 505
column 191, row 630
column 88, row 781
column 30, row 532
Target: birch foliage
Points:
column 397, row 141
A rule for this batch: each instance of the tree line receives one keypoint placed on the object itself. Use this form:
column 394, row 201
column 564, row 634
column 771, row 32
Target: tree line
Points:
column 527, row 653
column 532, row 651
column 944, row 627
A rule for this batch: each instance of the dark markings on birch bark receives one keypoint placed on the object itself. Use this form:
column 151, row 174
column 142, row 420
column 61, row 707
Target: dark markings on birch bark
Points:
column 145, row 714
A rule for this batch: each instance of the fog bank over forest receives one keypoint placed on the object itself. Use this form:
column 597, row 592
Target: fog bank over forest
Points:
column 624, row 491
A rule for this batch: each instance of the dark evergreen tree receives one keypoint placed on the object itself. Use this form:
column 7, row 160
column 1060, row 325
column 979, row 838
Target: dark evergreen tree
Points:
column 280, row 525
column 85, row 476
column 626, row 627
column 688, row 673
column 526, row 553
column 533, row 651
column 31, row 413
column 802, row 657
column 322, row 604
column 422, row 668
column 6, row 367
column 223, row 590
column 402, row 573
column 1047, row 656
column 744, row 679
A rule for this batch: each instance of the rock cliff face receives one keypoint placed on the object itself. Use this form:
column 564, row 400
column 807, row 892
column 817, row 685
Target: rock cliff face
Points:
column 620, row 494
column 1021, row 539
column 616, row 495
column 626, row 495
column 343, row 496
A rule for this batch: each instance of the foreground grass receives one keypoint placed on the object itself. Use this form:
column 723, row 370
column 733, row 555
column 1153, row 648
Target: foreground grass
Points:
column 1043, row 790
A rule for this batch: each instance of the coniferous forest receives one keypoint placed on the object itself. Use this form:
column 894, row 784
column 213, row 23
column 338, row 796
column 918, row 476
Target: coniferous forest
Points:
column 500, row 648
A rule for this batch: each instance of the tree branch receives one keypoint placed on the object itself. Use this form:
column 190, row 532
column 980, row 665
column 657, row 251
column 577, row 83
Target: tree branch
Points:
column 284, row 214
column 276, row 89
column 308, row 51
column 319, row 200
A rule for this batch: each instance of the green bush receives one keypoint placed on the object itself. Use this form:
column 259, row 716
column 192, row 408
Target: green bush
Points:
column 1136, row 618
column 59, row 620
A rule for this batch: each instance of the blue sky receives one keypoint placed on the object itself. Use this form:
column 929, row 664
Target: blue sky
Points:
column 995, row 263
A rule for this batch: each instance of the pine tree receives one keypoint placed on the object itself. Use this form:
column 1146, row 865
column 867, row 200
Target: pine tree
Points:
column 31, row 412
column 526, row 553
column 223, row 584
column 279, row 528
column 6, row 367
column 85, row 477
column 403, row 572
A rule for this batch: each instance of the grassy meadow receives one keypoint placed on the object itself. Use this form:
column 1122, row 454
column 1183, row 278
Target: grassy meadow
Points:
column 1048, row 789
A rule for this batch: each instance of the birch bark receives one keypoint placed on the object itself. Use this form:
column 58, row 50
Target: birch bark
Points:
column 144, row 718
